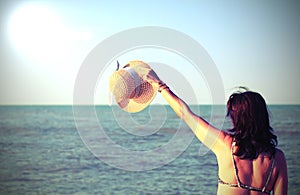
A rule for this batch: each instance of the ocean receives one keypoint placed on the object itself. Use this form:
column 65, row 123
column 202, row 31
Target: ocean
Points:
column 44, row 150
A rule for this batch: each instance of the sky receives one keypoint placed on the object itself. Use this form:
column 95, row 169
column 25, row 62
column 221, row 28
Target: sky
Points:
column 252, row 43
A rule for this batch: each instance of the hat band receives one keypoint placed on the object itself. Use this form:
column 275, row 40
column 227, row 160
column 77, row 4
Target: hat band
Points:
column 136, row 80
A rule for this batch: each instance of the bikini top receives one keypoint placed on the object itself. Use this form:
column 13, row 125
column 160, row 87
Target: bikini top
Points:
column 241, row 185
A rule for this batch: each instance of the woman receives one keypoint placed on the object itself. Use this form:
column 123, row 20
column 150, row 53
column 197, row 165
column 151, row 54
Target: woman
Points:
column 247, row 158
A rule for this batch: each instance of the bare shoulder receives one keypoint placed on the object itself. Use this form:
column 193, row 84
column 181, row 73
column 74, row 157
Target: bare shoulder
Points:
column 281, row 181
column 279, row 155
column 280, row 160
column 227, row 137
column 225, row 141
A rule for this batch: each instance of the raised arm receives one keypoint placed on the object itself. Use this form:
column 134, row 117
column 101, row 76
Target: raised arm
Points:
column 206, row 133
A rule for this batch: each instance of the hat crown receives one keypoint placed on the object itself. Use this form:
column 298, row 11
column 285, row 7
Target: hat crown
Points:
column 125, row 83
column 131, row 92
column 137, row 82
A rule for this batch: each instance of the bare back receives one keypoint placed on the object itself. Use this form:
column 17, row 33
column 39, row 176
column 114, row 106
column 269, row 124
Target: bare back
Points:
column 250, row 172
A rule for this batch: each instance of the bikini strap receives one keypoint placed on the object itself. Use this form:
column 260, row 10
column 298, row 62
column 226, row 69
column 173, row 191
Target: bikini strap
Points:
column 270, row 174
column 234, row 166
column 239, row 184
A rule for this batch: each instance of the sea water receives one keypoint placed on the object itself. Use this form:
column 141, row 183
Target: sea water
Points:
column 42, row 151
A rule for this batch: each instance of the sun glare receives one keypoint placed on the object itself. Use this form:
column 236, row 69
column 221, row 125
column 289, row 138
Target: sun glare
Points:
column 36, row 30
column 32, row 27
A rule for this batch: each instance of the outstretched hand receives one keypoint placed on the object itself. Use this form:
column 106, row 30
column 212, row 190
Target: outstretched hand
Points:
column 149, row 75
column 152, row 77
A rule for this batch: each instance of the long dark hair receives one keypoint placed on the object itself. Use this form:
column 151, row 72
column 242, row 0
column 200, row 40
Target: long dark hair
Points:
column 251, row 131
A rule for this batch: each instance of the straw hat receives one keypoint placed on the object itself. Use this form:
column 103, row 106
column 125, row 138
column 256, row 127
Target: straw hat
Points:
column 131, row 92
